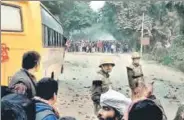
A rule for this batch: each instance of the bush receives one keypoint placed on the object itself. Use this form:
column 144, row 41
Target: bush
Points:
column 173, row 56
column 167, row 60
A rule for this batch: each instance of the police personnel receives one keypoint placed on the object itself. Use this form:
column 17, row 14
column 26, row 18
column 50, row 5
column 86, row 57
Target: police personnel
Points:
column 101, row 83
column 134, row 71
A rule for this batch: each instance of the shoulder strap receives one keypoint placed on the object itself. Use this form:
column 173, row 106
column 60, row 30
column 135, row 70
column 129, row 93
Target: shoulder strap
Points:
column 30, row 78
column 42, row 114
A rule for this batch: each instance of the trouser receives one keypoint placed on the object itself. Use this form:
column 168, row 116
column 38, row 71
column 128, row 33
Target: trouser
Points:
column 96, row 108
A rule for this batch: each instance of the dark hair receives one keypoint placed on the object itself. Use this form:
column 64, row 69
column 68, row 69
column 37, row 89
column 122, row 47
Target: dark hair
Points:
column 67, row 118
column 145, row 110
column 46, row 88
column 117, row 114
column 30, row 59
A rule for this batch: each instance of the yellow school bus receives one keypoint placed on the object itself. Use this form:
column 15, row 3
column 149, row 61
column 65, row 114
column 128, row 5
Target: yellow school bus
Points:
column 25, row 26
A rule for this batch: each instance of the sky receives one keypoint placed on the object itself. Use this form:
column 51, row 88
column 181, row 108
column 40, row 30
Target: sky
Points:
column 96, row 5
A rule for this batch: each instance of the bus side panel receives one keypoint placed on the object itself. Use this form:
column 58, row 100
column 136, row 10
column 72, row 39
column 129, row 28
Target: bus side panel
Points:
column 14, row 41
column 20, row 42
column 36, row 30
column 53, row 60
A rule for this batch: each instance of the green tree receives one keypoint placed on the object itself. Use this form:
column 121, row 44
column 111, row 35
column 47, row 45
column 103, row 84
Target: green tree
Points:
column 73, row 15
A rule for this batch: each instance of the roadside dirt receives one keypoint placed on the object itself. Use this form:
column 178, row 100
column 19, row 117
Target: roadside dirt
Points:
column 74, row 91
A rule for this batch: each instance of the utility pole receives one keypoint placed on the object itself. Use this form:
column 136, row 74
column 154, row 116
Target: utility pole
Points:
column 142, row 33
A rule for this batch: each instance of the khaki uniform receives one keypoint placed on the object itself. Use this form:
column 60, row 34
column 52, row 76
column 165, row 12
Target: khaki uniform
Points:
column 101, row 84
column 134, row 73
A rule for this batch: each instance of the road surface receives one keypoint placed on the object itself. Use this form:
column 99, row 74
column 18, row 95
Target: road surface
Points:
column 79, row 69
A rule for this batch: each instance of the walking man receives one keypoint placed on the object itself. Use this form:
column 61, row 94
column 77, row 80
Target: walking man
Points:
column 101, row 83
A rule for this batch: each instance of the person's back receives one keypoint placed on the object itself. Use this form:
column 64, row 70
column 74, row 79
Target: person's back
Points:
column 144, row 110
column 24, row 81
column 17, row 107
column 45, row 99
column 44, row 111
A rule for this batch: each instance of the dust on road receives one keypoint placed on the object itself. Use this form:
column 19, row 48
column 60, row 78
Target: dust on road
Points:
column 74, row 91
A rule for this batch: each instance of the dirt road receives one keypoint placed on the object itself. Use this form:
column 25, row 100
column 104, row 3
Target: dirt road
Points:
column 74, row 94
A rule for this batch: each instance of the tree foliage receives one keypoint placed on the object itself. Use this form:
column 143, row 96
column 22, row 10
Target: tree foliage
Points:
column 74, row 15
column 162, row 20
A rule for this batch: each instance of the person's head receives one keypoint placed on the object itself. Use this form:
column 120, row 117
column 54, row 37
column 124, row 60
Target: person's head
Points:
column 136, row 58
column 113, row 105
column 109, row 113
column 106, row 65
column 145, row 110
column 31, row 61
column 47, row 89
column 107, row 68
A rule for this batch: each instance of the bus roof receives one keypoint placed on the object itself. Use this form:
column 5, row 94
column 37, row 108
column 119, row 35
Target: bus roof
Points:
column 50, row 20
column 50, row 13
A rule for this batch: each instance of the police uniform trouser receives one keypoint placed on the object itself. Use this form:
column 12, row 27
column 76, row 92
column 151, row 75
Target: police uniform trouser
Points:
column 96, row 107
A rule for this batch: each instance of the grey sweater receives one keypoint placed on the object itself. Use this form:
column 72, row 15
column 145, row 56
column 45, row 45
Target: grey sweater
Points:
column 26, row 80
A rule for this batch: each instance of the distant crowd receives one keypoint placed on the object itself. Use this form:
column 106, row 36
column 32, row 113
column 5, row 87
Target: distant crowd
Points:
column 97, row 46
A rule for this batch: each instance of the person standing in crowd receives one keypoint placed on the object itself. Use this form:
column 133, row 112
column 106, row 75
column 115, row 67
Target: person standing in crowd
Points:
column 71, row 46
column 126, row 48
column 24, row 81
column 82, row 45
column 134, row 70
column 112, row 48
column 113, row 105
column 93, row 47
column 101, row 83
column 118, row 47
column 90, row 47
column 98, row 46
column 45, row 99
column 109, row 47
column 78, row 44
column 105, row 46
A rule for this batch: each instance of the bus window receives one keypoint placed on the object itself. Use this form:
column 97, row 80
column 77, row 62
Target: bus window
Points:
column 11, row 18
column 51, row 38
column 52, row 30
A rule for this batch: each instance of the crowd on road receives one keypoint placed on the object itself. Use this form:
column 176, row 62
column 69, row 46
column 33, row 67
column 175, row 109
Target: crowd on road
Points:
column 97, row 46
column 26, row 99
